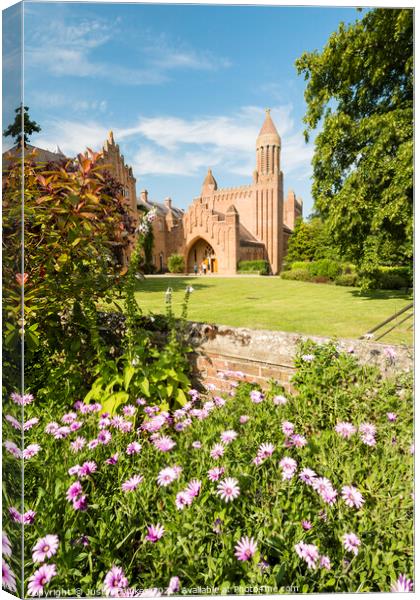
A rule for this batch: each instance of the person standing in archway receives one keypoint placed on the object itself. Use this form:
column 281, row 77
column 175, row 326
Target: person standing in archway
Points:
column 195, row 269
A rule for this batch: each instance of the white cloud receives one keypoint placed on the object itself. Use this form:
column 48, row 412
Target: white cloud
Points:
column 65, row 49
column 173, row 146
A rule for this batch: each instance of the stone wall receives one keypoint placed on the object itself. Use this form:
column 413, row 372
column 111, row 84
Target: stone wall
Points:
column 262, row 355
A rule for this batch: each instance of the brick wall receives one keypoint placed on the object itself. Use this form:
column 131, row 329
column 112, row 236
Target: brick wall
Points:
column 264, row 355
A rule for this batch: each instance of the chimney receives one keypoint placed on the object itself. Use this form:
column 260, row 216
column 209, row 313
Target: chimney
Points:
column 168, row 202
column 143, row 196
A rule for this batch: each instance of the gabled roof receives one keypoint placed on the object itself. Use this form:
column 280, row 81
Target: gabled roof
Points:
column 269, row 129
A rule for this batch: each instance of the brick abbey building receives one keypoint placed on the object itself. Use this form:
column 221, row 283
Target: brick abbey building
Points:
column 223, row 226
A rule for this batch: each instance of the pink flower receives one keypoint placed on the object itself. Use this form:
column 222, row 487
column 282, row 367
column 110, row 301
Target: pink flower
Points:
column 12, row 448
column 403, row 584
column 228, row 436
column 92, row 444
column 167, row 476
column 279, row 400
column 368, row 439
column 243, row 419
column 299, row 441
column 115, row 582
column 87, row 468
column 307, row 525
column 74, row 470
column 174, row 586
column 74, row 491
column 129, row 410
column 390, row 353
column 133, row 448
column 40, row 578
column 194, row 487
column 256, row 396
column 30, row 423
column 80, row 503
column 391, row 416
column 245, row 548
column 325, row 562
column 266, row 450
column 228, row 489
column 13, row 422
column 183, row 499
column 164, row 443
column 215, row 473
column 51, row 427
column 352, row 497
column 307, row 476
column 154, row 533
column 61, row 432
column 287, row 428
column 31, row 450
column 196, row 444
column 104, row 437
column 217, row 451
column 113, row 459
column 132, row 483
column 288, row 466
column 324, row 487
column 8, row 578
column 351, row 543
column 6, row 547
column 28, row 517
column 219, row 401
column 78, row 444
column 309, row 553
column 69, row 418
column 367, row 429
column 345, row 429
column 45, row 548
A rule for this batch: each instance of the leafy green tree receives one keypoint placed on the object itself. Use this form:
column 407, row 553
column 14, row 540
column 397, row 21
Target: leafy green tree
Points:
column 176, row 263
column 22, row 125
column 361, row 86
column 309, row 241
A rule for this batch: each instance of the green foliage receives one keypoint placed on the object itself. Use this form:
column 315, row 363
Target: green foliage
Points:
column 361, row 87
column 21, row 124
column 296, row 275
column 391, row 278
column 254, row 266
column 176, row 263
column 320, row 271
column 309, row 241
column 347, row 280
column 199, row 541
column 325, row 268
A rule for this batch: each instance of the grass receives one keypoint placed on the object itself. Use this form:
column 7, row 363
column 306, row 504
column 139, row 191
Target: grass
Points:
column 276, row 304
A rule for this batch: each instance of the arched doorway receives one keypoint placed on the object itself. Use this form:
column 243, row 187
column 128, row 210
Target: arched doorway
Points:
column 202, row 253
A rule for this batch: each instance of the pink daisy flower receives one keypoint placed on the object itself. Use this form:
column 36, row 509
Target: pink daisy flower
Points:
column 40, row 578
column 129, row 410
column 403, row 584
column 287, row 428
column 115, row 582
column 164, row 443
column 62, row 432
column 243, row 419
column 215, row 473
column 266, row 450
column 30, row 423
column 299, row 441
column 245, row 548
column 87, row 468
column 74, row 470
column 307, row 525
column 167, row 476
column 154, row 533
column 132, row 483
column 196, row 444
column 352, row 497
column 74, row 491
column 12, row 448
column 183, row 499
column 256, row 396
column 217, row 451
column 113, row 459
column 391, row 416
column 309, row 553
column 346, row 430
column 133, row 448
column 228, row 489
column 228, row 436
column 368, row 439
column 80, row 503
column 325, row 562
column 92, row 444
column 75, row 425
column 22, row 400
column 104, row 437
column 45, row 548
column 307, row 476
column 367, row 429
column 78, row 444
column 31, row 450
column 279, row 400
column 174, row 586
column 28, row 517
column 6, row 547
column 13, row 422
column 194, row 487
column 51, row 427
column 351, row 543
column 69, row 418
column 219, row 401
column 8, row 578
column 288, row 466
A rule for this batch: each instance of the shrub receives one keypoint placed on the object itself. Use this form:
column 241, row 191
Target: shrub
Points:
column 253, row 266
column 325, row 268
column 346, row 279
column 176, row 263
column 296, row 275
column 300, row 264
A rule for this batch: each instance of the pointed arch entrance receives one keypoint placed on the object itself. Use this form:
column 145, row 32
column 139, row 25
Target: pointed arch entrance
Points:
column 202, row 253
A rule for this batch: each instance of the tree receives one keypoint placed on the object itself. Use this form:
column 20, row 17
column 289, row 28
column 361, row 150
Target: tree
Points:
column 361, row 86
column 22, row 126
column 176, row 263
column 310, row 241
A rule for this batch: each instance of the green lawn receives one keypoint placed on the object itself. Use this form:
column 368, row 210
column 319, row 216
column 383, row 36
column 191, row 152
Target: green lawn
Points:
column 273, row 303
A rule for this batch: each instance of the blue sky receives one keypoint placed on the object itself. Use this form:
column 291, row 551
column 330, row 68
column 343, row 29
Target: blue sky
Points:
column 183, row 87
